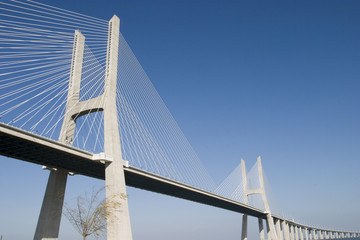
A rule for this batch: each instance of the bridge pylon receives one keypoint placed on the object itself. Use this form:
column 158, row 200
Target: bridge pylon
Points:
column 118, row 221
column 271, row 232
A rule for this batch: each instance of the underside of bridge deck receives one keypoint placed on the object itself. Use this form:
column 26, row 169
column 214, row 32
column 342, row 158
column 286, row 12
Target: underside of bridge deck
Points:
column 19, row 144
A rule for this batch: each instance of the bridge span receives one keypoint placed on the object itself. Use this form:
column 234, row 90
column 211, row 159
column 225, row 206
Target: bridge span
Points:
column 19, row 144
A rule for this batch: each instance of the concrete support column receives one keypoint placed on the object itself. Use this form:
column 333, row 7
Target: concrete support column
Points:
column 306, row 234
column 285, row 227
column 326, row 235
column 271, row 232
column 261, row 229
column 268, row 230
column 321, row 233
column 296, row 232
column 50, row 215
column 316, row 234
column 301, row 233
column 118, row 222
column 244, row 227
column 311, row 234
column 280, row 234
column 292, row 234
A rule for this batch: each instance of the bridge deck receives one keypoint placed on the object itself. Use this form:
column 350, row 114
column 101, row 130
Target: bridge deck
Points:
column 19, row 144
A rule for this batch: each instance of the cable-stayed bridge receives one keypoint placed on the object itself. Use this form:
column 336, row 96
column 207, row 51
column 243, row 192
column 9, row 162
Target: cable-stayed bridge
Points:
column 75, row 99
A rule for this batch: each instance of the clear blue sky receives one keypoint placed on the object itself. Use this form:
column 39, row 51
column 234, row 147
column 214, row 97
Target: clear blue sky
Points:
column 280, row 79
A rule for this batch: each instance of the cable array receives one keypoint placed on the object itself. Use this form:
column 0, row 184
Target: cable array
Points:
column 150, row 137
column 36, row 44
column 232, row 186
column 273, row 203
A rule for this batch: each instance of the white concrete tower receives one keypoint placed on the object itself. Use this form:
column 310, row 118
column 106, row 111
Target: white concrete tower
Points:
column 118, row 222
column 269, row 219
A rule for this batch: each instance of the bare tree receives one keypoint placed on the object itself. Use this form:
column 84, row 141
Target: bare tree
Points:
column 88, row 216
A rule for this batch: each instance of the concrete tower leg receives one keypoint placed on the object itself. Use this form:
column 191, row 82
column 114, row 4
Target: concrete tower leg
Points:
column 268, row 228
column 118, row 222
column 261, row 229
column 50, row 215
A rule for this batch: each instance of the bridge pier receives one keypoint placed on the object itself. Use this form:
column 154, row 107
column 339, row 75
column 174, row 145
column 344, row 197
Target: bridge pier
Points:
column 280, row 234
column 261, row 229
column 306, row 234
column 287, row 230
column 296, row 233
column 51, row 210
column 292, row 234
column 326, row 235
column 244, row 227
column 301, row 233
